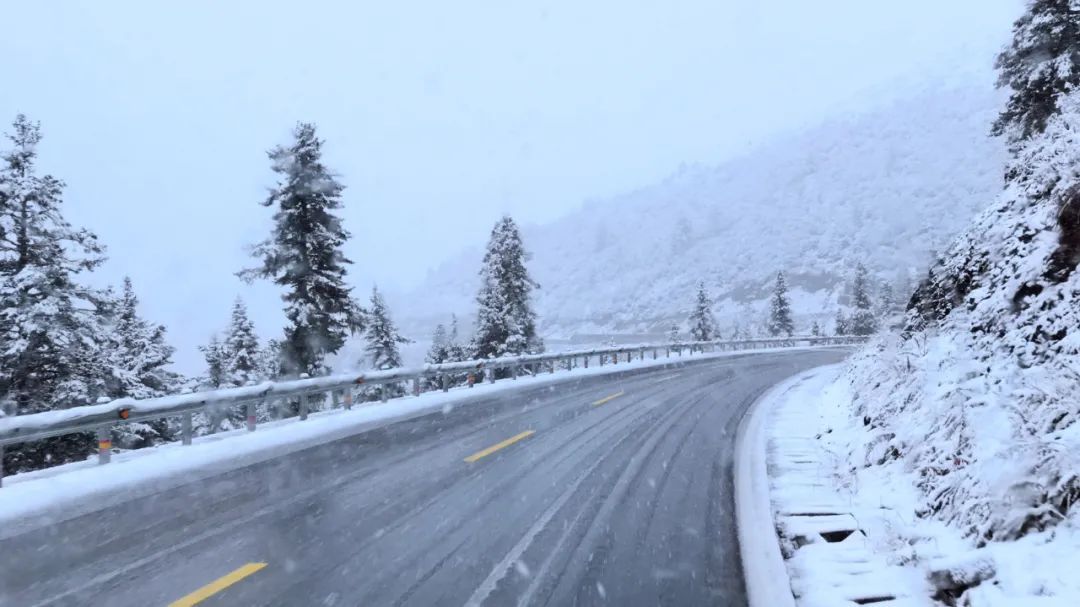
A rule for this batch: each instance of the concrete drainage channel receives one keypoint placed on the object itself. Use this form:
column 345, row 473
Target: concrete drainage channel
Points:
column 802, row 545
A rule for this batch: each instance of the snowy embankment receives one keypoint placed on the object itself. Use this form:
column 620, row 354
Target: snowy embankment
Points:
column 841, row 539
column 35, row 498
column 973, row 405
column 854, row 518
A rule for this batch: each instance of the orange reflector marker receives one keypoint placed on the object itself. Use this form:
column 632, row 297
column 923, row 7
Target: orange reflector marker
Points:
column 125, row 413
column 105, row 445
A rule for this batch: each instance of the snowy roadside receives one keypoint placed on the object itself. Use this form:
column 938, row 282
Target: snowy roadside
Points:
column 846, row 518
column 845, row 541
column 41, row 497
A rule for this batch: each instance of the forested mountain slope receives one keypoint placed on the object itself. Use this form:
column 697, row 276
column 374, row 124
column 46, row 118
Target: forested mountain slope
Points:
column 886, row 187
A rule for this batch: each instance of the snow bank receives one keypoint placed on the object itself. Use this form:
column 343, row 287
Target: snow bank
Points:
column 843, row 536
column 973, row 406
column 960, row 443
column 829, row 470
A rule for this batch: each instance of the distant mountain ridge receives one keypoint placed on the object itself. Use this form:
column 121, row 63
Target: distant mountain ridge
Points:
column 886, row 188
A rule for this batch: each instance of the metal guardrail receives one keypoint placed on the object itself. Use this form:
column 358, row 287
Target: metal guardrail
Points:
column 102, row 418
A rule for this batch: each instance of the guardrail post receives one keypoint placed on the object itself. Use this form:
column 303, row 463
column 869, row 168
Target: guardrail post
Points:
column 585, row 361
column 303, row 407
column 347, row 398
column 185, row 428
column 383, row 392
column 513, row 371
column 416, row 386
column 104, row 440
column 443, row 383
column 251, row 415
column 552, row 368
column 471, row 379
column 491, row 375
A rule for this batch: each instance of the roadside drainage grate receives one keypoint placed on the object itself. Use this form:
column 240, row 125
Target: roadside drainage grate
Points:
column 836, row 536
column 874, row 599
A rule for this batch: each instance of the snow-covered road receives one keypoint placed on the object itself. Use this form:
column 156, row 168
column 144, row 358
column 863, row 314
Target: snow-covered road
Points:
column 612, row 489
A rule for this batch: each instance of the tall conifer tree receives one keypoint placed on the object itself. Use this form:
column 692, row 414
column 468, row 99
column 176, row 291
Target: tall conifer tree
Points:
column 304, row 256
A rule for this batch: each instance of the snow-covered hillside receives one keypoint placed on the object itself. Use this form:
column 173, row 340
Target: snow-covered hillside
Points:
column 886, row 188
column 975, row 402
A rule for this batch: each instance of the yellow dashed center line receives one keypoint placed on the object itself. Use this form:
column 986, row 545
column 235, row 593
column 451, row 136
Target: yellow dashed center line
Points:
column 217, row 585
column 608, row 399
column 492, row 449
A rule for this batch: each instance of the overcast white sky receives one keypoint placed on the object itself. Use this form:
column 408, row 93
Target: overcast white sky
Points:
column 438, row 116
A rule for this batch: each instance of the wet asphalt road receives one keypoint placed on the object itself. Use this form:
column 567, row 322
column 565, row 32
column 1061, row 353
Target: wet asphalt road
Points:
column 609, row 490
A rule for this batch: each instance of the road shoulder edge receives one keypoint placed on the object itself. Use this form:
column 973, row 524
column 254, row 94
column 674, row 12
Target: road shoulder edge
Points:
column 766, row 576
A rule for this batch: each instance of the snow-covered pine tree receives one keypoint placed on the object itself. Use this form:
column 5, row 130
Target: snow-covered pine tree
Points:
column 138, row 358
column 886, row 300
column 445, row 348
column 842, row 325
column 242, row 359
column 436, row 354
column 702, row 321
column 270, row 360
column 455, row 350
column 780, row 322
column 382, row 335
column 1040, row 65
column 214, row 355
column 303, row 255
column 673, row 334
column 52, row 329
column 505, row 320
column 233, row 362
column 216, row 377
column 863, row 320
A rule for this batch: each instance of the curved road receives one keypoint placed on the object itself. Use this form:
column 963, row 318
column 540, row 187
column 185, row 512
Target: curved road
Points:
column 608, row 490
